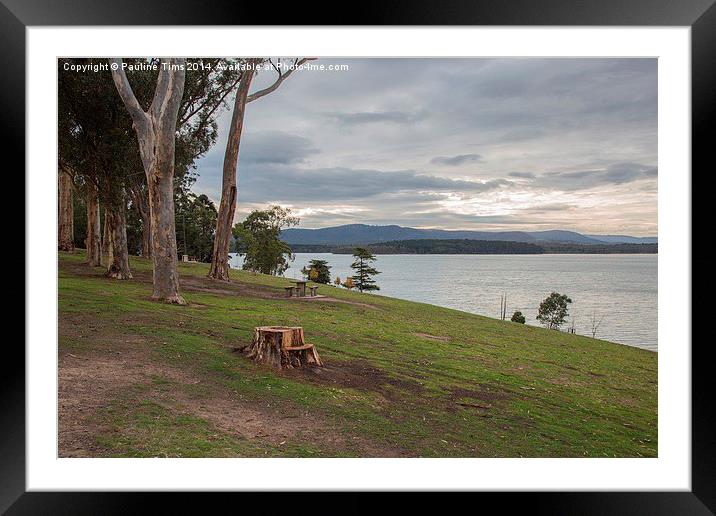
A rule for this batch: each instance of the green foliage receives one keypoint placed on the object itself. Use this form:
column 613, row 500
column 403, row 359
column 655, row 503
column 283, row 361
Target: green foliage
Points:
column 96, row 141
column 553, row 310
column 95, row 136
column 318, row 271
column 195, row 225
column 258, row 239
column 518, row 317
column 364, row 272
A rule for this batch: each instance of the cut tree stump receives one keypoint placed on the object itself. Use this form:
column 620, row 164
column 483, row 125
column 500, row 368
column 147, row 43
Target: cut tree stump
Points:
column 282, row 347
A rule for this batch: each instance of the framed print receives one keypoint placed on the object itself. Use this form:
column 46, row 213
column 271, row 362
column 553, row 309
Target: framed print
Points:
column 432, row 250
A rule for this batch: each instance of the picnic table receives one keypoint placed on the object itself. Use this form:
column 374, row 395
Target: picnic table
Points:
column 300, row 287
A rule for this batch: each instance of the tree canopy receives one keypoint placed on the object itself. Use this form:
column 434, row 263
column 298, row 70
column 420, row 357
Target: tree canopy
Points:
column 554, row 310
column 318, row 271
column 195, row 225
column 257, row 238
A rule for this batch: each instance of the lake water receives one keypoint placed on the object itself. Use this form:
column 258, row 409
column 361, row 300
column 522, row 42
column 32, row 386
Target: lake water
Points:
column 620, row 288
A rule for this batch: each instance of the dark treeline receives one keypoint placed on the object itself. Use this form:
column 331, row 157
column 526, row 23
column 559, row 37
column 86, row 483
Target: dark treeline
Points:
column 467, row 246
column 567, row 248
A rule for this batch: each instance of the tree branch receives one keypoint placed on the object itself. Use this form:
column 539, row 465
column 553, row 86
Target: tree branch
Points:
column 281, row 77
column 171, row 97
column 187, row 116
column 124, row 89
column 162, row 88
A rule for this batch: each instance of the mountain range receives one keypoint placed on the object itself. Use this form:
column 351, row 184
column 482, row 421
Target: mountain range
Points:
column 353, row 234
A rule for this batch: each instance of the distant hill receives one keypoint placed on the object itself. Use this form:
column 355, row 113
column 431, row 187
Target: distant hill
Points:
column 624, row 239
column 353, row 234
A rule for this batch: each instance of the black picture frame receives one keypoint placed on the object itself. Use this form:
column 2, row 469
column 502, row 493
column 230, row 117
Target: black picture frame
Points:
column 700, row 15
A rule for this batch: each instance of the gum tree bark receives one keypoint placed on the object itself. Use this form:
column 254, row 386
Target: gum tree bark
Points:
column 227, row 207
column 156, row 132
column 65, row 225
column 94, row 236
column 141, row 201
column 118, row 267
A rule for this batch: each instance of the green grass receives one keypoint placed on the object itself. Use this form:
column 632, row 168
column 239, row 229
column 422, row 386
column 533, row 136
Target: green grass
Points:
column 548, row 394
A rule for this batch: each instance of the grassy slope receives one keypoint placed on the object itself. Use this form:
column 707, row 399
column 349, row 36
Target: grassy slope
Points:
column 547, row 393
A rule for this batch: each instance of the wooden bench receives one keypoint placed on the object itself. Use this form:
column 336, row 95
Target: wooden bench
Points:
column 289, row 291
column 313, row 291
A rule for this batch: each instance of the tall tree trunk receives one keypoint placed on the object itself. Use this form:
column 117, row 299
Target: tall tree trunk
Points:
column 119, row 262
column 163, row 234
column 156, row 133
column 94, row 236
column 65, row 227
column 140, row 197
column 220, row 255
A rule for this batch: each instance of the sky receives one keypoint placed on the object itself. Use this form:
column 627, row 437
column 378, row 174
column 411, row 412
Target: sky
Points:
column 481, row 144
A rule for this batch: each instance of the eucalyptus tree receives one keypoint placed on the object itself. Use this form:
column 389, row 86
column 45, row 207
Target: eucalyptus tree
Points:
column 99, row 146
column 156, row 133
column 227, row 207
column 208, row 83
column 94, row 134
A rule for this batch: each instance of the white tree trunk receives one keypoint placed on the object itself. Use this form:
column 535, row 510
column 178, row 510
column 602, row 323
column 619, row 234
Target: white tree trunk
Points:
column 156, row 133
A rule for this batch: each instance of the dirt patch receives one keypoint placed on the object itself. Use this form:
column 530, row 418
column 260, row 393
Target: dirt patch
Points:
column 90, row 380
column 356, row 374
column 432, row 337
column 88, row 383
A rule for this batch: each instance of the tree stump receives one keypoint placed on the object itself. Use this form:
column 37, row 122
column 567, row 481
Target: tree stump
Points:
column 282, row 347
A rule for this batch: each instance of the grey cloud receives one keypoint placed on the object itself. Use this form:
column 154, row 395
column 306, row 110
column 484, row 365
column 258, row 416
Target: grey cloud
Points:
column 331, row 184
column 616, row 174
column 370, row 117
column 456, row 160
column 275, row 147
column 325, row 137
column 553, row 207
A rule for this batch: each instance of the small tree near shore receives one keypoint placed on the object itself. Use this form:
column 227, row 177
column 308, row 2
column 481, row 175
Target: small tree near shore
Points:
column 318, row 271
column 364, row 272
column 518, row 317
column 258, row 239
column 554, row 310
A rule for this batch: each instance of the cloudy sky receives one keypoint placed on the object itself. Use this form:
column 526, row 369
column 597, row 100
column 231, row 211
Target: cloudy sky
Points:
column 484, row 144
